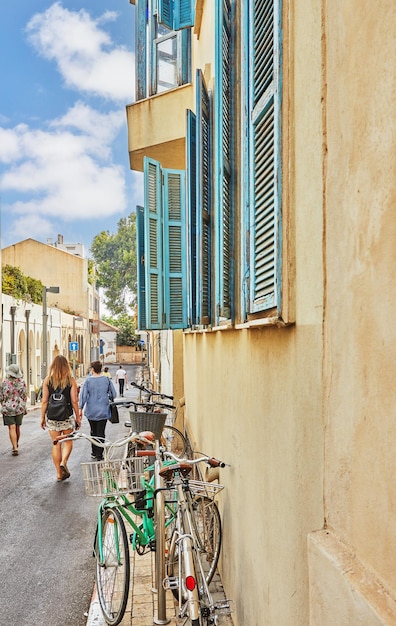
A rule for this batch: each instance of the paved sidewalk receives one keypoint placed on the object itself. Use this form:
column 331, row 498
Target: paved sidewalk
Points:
column 142, row 603
column 141, row 608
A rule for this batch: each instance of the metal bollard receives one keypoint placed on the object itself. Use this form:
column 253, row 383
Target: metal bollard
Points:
column 160, row 547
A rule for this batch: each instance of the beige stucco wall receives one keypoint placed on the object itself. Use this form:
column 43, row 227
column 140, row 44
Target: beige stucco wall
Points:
column 360, row 335
column 54, row 268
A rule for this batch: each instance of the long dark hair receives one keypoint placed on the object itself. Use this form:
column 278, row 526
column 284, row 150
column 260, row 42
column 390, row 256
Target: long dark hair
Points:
column 60, row 374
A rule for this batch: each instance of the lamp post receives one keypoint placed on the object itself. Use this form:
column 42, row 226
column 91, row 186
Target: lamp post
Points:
column 44, row 356
column 75, row 319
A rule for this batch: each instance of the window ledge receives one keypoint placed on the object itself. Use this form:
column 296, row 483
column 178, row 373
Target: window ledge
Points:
column 262, row 322
column 251, row 324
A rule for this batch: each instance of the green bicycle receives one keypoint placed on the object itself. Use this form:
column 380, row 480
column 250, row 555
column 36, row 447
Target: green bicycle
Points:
column 116, row 480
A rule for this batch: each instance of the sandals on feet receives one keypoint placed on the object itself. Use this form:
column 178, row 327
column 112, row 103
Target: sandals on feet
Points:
column 65, row 472
column 15, row 452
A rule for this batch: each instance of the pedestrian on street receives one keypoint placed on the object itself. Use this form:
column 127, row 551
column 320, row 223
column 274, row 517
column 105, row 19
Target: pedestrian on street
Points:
column 95, row 396
column 121, row 379
column 60, row 383
column 106, row 372
column 13, row 396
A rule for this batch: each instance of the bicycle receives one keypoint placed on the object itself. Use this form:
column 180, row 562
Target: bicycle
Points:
column 149, row 417
column 195, row 544
column 115, row 480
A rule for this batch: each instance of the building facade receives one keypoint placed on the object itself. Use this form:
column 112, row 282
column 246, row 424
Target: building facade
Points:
column 67, row 270
column 265, row 131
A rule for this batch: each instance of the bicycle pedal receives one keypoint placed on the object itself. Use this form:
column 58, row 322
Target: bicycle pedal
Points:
column 172, row 582
column 224, row 607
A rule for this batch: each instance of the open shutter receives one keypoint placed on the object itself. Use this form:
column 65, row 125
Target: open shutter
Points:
column 141, row 279
column 223, row 159
column 153, row 243
column 266, row 184
column 165, row 13
column 191, row 173
column 204, row 200
column 141, row 49
column 175, row 253
column 176, row 14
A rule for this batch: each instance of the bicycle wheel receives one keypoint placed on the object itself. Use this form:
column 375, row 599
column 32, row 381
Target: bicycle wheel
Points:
column 112, row 576
column 174, row 441
column 176, row 569
column 207, row 526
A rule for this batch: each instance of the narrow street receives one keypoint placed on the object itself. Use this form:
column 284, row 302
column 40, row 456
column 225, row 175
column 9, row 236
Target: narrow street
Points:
column 47, row 569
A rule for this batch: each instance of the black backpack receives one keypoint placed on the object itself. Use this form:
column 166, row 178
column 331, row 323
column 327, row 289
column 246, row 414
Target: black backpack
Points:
column 59, row 404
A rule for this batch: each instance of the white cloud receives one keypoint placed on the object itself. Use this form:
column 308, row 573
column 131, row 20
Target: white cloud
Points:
column 66, row 174
column 26, row 227
column 85, row 55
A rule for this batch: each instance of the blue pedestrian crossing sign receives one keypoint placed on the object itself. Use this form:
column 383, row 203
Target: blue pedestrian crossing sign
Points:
column 73, row 346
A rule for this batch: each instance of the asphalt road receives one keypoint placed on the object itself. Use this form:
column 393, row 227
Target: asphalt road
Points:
column 47, row 528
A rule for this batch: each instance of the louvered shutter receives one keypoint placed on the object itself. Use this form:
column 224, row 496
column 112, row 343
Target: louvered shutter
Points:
column 141, row 279
column 153, row 244
column 204, row 200
column 175, row 263
column 223, row 175
column 191, row 174
column 266, row 128
column 176, row 14
column 141, row 49
column 165, row 13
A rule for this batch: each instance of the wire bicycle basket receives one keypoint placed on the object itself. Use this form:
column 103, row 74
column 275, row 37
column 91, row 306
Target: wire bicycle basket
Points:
column 114, row 477
column 201, row 488
column 144, row 420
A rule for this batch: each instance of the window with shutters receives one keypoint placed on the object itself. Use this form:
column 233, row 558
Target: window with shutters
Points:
column 199, row 186
column 163, row 45
column 161, row 240
column 264, row 97
column 224, row 116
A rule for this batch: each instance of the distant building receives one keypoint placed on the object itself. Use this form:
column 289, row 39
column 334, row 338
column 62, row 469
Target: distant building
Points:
column 56, row 267
column 108, row 342
column 72, row 248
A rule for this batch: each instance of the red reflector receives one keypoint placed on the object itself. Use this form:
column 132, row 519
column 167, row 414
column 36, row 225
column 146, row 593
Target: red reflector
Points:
column 190, row 583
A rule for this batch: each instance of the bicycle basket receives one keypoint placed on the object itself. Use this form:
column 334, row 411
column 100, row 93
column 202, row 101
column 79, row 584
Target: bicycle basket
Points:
column 200, row 488
column 116, row 477
column 154, row 422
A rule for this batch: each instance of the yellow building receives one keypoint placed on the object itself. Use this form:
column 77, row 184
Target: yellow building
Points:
column 77, row 297
column 266, row 134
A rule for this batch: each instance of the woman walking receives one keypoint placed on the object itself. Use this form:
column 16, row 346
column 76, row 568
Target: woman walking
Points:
column 94, row 399
column 61, row 385
column 13, row 395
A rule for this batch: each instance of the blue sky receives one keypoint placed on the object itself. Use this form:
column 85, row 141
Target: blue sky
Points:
column 67, row 73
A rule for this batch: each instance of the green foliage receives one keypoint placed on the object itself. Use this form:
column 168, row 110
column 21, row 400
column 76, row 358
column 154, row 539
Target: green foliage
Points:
column 115, row 258
column 91, row 272
column 21, row 287
column 126, row 326
column 35, row 289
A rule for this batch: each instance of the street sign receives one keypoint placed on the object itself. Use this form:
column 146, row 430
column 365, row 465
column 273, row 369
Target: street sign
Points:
column 73, row 346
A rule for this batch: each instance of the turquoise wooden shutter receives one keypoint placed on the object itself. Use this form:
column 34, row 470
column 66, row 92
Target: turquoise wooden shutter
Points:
column 141, row 279
column 265, row 82
column 203, row 201
column 165, row 13
column 223, row 162
column 176, row 14
column 191, row 174
column 153, row 244
column 175, row 252
column 141, row 49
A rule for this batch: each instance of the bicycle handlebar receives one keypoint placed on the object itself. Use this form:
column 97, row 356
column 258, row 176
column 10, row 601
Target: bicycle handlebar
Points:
column 151, row 392
column 210, row 460
column 146, row 405
column 103, row 443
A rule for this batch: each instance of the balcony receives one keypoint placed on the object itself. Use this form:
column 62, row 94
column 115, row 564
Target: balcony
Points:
column 157, row 128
